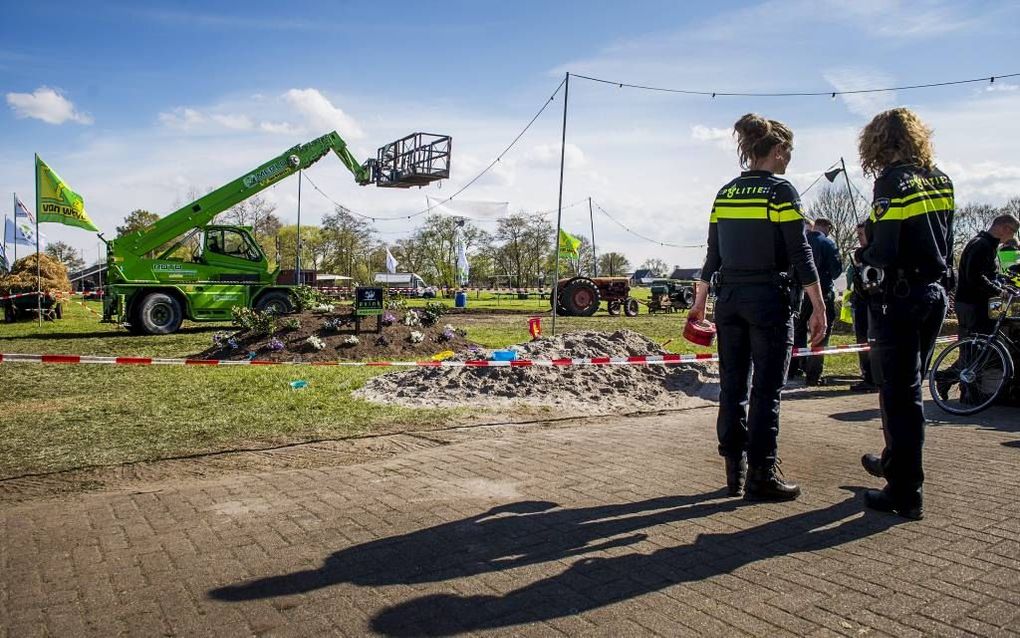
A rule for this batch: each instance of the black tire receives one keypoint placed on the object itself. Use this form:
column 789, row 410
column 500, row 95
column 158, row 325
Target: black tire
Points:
column 613, row 308
column 560, row 310
column 159, row 314
column 630, row 307
column 969, row 375
column 580, row 298
column 276, row 301
column 688, row 298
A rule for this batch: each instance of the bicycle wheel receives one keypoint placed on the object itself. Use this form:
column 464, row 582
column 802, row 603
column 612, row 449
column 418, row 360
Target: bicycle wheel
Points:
column 968, row 376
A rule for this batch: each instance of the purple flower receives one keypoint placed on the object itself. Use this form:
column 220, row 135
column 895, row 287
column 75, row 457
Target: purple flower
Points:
column 275, row 344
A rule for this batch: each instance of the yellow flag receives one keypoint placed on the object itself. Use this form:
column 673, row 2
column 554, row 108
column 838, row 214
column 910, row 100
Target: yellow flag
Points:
column 56, row 202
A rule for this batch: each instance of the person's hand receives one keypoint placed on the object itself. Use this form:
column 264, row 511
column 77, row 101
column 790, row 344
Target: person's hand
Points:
column 862, row 237
column 696, row 313
column 817, row 326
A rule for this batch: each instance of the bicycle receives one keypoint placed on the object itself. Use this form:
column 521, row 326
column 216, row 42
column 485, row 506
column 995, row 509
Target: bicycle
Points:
column 969, row 375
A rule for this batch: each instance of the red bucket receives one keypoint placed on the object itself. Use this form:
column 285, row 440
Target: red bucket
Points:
column 700, row 333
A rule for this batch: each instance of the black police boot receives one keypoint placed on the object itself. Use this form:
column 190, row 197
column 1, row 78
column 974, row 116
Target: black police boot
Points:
column 766, row 483
column 882, row 501
column 736, row 474
column 873, row 465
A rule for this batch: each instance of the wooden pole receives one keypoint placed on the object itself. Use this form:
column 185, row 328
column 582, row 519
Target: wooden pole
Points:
column 559, row 207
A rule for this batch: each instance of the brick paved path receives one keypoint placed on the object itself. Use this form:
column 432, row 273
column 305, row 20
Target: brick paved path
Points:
column 606, row 527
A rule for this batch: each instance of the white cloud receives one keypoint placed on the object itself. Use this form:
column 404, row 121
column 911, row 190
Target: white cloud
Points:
column 548, row 155
column 710, row 134
column 285, row 128
column 855, row 79
column 182, row 119
column 321, row 115
column 237, row 122
column 48, row 105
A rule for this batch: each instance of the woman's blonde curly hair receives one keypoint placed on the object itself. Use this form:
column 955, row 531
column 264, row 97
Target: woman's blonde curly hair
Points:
column 894, row 136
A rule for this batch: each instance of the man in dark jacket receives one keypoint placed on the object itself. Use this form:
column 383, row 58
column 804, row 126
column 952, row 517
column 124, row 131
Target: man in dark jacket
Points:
column 830, row 267
column 979, row 265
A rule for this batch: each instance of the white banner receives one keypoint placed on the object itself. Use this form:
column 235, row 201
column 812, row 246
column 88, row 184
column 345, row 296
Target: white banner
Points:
column 467, row 209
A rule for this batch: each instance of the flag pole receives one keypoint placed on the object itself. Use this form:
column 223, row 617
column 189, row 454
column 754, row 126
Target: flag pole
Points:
column 594, row 261
column 15, row 229
column 554, row 301
column 297, row 258
column 38, row 260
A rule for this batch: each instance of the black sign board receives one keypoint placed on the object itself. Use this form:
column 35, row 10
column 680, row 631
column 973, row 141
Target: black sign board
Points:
column 368, row 301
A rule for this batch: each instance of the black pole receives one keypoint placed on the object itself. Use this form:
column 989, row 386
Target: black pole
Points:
column 559, row 207
column 297, row 256
column 594, row 261
column 849, row 189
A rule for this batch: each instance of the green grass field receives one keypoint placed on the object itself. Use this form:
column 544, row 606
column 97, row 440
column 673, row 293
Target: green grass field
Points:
column 59, row 417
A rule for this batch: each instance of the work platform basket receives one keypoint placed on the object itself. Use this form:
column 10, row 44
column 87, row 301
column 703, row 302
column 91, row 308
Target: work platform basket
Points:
column 415, row 160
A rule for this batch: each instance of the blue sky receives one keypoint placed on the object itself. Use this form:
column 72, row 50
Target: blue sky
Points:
column 135, row 104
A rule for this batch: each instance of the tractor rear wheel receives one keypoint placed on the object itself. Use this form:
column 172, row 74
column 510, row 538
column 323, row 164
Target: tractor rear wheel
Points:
column 630, row 307
column 580, row 298
column 276, row 302
column 613, row 308
column 160, row 314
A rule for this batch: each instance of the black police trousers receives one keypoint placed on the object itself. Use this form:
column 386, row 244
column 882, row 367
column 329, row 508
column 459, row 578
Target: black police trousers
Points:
column 754, row 326
column 812, row 366
column 903, row 330
column 860, row 310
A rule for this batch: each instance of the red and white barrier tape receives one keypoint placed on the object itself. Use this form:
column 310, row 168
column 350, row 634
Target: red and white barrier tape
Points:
column 666, row 359
column 27, row 294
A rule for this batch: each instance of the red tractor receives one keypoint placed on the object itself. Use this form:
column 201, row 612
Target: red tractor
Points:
column 581, row 296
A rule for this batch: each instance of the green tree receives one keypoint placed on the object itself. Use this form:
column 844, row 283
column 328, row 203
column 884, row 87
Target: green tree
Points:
column 65, row 254
column 137, row 220
column 613, row 265
column 658, row 267
column 347, row 244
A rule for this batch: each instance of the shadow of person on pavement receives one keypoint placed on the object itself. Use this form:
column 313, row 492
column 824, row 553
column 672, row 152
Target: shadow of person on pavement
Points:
column 503, row 537
column 595, row 582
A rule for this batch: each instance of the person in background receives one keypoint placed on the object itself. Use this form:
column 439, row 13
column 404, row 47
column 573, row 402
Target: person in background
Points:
column 908, row 238
column 830, row 268
column 755, row 239
column 859, row 305
column 979, row 265
column 1009, row 254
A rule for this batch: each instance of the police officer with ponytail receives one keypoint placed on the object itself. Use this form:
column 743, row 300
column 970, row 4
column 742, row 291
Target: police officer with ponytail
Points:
column 905, row 256
column 761, row 263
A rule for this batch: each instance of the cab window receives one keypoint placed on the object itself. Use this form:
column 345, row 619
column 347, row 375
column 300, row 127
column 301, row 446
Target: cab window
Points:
column 230, row 243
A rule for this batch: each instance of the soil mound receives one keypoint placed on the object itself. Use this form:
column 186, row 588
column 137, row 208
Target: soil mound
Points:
column 575, row 389
column 333, row 330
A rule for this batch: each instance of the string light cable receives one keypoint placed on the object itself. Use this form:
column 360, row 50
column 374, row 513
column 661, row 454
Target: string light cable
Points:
column 639, row 235
column 463, row 188
column 644, row 87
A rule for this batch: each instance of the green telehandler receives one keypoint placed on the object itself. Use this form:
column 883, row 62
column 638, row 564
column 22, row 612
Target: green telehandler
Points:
column 182, row 266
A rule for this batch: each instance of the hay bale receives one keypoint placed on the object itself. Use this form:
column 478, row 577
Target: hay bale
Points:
column 22, row 277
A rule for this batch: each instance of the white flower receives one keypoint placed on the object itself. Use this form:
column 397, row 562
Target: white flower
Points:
column 322, row 308
column 412, row 318
column 350, row 340
column 417, row 337
column 315, row 342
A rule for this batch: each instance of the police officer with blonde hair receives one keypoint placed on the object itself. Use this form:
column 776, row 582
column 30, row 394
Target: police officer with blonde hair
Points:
column 905, row 256
column 760, row 260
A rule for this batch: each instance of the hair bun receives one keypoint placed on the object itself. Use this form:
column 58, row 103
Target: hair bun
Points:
column 752, row 126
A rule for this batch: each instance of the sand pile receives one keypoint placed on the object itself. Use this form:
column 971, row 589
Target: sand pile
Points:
column 576, row 389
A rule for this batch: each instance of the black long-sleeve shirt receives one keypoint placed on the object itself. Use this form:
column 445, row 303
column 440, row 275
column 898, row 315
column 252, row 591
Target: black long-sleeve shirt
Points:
column 827, row 259
column 911, row 225
column 757, row 227
column 978, row 266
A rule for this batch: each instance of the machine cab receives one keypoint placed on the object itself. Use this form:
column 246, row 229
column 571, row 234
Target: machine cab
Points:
column 232, row 249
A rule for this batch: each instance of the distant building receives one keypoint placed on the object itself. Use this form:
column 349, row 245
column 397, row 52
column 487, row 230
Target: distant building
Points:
column 643, row 276
column 685, row 274
column 289, row 277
